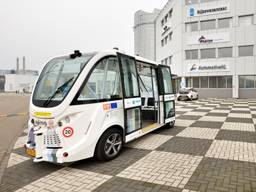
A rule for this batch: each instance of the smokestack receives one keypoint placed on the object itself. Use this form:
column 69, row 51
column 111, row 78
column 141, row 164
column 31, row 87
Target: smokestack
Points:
column 24, row 64
column 17, row 64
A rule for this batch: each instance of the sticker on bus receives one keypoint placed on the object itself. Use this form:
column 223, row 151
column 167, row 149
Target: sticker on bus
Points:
column 68, row 132
column 109, row 106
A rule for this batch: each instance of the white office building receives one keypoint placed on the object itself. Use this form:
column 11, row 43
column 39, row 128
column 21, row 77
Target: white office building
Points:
column 209, row 44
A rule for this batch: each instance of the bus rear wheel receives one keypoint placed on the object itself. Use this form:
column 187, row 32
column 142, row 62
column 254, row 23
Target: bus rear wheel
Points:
column 170, row 125
column 109, row 145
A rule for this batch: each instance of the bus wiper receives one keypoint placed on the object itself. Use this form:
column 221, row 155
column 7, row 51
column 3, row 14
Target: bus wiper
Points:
column 58, row 90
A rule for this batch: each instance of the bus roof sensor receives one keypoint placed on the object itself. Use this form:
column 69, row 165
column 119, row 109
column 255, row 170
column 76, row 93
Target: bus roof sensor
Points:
column 75, row 54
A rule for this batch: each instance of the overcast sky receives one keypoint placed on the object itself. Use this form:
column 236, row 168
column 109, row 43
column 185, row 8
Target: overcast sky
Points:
column 42, row 29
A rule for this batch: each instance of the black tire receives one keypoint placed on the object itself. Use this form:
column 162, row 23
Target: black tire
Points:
column 104, row 145
column 170, row 125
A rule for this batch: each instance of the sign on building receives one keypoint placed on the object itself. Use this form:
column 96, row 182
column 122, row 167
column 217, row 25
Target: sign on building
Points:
column 208, row 9
column 208, row 67
column 208, row 38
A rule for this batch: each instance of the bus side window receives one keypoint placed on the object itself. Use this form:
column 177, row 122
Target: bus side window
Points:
column 104, row 82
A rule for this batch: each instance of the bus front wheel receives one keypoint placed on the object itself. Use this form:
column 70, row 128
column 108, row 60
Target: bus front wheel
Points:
column 109, row 145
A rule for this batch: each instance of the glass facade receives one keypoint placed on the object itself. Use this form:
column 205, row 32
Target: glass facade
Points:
column 248, row 82
column 192, row 54
column 225, row 52
column 244, row 51
column 206, row 82
column 224, row 23
column 208, row 53
column 207, row 25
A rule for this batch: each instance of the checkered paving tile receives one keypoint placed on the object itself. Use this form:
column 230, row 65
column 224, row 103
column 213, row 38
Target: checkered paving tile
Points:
column 240, row 115
column 213, row 118
column 150, row 141
column 67, row 179
column 242, row 136
column 184, row 145
column 183, row 122
column 192, row 113
column 20, row 142
column 15, row 159
column 223, row 175
column 220, row 111
column 233, row 150
column 201, row 133
column 238, row 126
column 163, row 168
column 212, row 147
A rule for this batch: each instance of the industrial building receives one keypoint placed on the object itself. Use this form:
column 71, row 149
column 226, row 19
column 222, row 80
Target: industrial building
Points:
column 19, row 80
column 209, row 44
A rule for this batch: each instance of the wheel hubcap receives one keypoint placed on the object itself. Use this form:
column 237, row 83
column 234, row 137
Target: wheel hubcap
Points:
column 113, row 145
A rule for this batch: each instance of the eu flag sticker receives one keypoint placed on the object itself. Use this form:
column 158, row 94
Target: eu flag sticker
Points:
column 113, row 105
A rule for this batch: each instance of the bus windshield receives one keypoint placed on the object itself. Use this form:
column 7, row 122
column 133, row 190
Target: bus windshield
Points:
column 57, row 78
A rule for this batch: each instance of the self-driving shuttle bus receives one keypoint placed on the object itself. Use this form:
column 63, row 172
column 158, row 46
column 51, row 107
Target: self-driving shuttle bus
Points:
column 91, row 104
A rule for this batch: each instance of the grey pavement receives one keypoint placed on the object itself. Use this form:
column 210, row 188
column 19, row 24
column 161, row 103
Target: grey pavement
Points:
column 211, row 148
column 13, row 119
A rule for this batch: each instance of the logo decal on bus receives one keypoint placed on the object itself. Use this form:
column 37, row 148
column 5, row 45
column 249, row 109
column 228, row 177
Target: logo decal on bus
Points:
column 106, row 107
column 113, row 105
column 109, row 106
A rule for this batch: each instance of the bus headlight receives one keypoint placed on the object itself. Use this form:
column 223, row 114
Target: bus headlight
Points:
column 65, row 120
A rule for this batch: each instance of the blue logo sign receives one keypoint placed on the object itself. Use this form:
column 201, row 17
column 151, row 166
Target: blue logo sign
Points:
column 191, row 12
column 113, row 105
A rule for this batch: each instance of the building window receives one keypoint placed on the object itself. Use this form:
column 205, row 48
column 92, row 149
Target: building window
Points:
column 191, row 54
column 170, row 36
column 245, row 20
column 229, row 82
column 170, row 60
column 208, row 53
column 166, row 18
column 224, row 23
column 225, row 52
column 212, row 82
column 196, row 82
column 192, row 26
column 166, row 61
column 190, row 2
column 204, row 82
column 165, row 40
column 244, row 51
column 162, row 22
column 222, row 82
column 205, row 1
column 188, row 82
column 207, row 25
column 247, row 82
column 170, row 13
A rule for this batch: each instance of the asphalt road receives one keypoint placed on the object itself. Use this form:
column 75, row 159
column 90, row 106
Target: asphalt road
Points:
column 13, row 119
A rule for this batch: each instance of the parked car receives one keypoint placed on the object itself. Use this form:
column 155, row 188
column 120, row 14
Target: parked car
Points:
column 187, row 94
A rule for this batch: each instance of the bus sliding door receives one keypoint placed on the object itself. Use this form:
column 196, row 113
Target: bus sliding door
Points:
column 166, row 92
column 131, row 95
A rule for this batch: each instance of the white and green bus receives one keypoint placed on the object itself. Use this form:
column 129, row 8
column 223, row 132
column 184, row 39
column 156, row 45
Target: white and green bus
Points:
column 91, row 104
